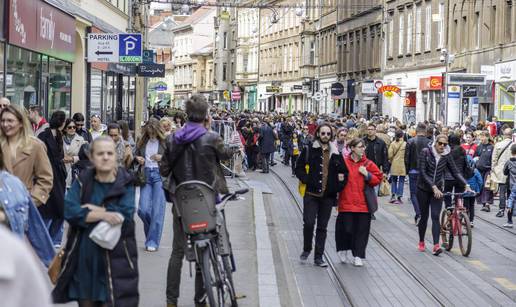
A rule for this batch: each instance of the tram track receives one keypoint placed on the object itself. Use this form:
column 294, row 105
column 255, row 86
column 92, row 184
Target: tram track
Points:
column 439, row 298
column 494, row 224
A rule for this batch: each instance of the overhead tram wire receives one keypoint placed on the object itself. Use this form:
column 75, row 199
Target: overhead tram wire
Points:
column 265, row 5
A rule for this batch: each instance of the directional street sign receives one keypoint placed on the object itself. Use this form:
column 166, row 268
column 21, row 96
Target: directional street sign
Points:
column 114, row 48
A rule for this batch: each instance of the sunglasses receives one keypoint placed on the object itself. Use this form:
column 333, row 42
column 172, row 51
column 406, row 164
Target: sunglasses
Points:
column 326, row 133
column 442, row 144
column 71, row 127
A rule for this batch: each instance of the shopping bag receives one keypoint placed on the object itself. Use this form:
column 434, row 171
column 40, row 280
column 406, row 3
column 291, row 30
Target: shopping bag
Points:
column 302, row 186
column 385, row 188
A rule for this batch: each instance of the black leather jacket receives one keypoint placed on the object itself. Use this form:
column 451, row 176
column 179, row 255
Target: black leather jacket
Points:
column 198, row 160
column 432, row 173
column 413, row 150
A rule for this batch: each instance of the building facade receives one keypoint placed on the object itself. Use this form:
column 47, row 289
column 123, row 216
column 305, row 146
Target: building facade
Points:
column 246, row 74
column 280, row 81
column 359, row 52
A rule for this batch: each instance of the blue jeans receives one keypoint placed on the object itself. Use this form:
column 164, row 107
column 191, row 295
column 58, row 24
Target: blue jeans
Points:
column 151, row 208
column 55, row 229
column 397, row 183
column 512, row 198
column 413, row 192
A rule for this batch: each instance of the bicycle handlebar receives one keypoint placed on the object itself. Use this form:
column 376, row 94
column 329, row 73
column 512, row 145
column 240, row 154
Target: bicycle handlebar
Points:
column 468, row 194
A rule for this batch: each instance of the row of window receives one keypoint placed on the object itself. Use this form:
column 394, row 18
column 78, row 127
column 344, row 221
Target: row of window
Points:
column 360, row 50
column 414, row 29
column 122, row 5
column 279, row 59
column 183, row 74
column 285, row 19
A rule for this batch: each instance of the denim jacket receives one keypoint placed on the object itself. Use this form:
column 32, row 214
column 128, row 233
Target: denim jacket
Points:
column 23, row 216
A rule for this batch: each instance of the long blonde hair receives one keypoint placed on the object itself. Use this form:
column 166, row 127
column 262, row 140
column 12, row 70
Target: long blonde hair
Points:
column 26, row 133
column 152, row 124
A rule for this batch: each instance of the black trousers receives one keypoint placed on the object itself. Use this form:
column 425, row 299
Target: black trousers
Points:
column 286, row 157
column 266, row 159
column 316, row 209
column 452, row 186
column 250, row 152
column 428, row 202
column 293, row 160
column 352, row 232
column 469, row 204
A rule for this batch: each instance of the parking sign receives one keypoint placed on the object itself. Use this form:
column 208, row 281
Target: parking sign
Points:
column 130, row 48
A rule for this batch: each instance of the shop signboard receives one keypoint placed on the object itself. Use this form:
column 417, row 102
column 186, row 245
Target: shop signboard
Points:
column 466, row 79
column 469, row 91
column 337, row 90
column 235, row 95
column 369, row 88
column 151, row 70
column 505, row 71
column 38, row 26
column 160, row 86
column 297, row 87
column 148, row 56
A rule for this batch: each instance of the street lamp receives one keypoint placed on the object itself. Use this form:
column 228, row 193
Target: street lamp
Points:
column 447, row 59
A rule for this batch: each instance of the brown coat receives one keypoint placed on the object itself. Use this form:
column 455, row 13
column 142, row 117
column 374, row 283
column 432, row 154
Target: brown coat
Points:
column 33, row 168
column 396, row 155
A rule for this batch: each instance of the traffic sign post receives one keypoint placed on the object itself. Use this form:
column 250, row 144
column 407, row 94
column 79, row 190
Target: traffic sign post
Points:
column 115, row 48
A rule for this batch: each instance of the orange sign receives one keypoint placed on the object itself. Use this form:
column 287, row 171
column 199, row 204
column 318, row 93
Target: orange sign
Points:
column 389, row 88
column 436, row 83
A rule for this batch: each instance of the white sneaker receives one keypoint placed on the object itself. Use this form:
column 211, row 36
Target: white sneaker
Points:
column 343, row 256
column 507, row 225
column 151, row 249
column 358, row 262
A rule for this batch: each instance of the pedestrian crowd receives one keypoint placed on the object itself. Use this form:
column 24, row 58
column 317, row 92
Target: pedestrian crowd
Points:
column 60, row 181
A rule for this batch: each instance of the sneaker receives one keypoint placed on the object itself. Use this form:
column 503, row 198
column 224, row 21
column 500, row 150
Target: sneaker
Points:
column 358, row 262
column 437, row 250
column 151, row 249
column 500, row 213
column 304, row 256
column 421, row 246
column 508, row 225
column 320, row 263
column 417, row 218
column 486, row 208
column 343, row 256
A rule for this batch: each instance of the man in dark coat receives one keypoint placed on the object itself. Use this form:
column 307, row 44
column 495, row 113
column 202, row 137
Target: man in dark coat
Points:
column 287, row 130
column 266, row 143
column 412, row 152
column 376, row 149
column 326, row 176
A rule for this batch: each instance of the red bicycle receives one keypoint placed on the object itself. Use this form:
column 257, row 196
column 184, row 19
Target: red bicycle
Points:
column 455, row 223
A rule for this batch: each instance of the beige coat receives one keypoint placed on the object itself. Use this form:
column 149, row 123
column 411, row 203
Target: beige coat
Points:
column 396, row 154
column 72, row 150
column 498, row 162
column 33, row 168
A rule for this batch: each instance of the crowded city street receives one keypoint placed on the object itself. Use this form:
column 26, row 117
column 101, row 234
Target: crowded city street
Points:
column 271, row 153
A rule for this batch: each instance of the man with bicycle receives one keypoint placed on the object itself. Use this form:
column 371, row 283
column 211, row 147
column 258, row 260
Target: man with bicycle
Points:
column 192, row 153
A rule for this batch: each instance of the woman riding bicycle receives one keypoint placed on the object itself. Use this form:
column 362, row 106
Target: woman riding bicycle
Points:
column 433, row 163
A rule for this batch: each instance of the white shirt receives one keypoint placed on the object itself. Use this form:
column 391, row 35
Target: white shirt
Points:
column 151, row 149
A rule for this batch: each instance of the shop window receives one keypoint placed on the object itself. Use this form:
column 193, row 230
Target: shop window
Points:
column 22, row 76
column 59, row 90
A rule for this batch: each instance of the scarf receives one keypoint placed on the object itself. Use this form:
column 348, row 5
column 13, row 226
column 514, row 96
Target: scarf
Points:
column 68, row 139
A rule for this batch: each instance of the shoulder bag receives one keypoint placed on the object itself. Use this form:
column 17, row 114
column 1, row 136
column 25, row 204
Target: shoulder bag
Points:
column 370, row 195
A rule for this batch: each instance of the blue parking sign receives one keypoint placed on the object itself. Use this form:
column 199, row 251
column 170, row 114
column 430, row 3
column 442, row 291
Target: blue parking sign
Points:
column 130, row 48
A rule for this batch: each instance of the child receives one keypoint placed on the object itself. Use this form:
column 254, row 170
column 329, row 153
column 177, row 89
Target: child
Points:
column 295, row 152
column 476, row 183
column 510, row 170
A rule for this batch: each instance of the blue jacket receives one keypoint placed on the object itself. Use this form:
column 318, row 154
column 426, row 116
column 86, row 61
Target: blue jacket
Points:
column 24, row 217
column 476, row 182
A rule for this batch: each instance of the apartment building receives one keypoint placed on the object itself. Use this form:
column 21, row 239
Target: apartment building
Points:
column 202, row 74
column 194, row 33
column 280, row 82
column 224, row 57
column 359, row 52
column 415, row 36
column 246, row 75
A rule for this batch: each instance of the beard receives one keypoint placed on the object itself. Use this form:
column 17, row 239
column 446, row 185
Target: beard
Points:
column 324, row 140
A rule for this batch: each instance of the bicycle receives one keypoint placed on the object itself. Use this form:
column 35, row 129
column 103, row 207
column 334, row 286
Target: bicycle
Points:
column 455, row 223
column 208, row 243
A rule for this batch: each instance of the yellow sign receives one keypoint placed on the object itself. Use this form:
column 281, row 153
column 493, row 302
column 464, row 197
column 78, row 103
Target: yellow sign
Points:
column 507, row 107
column 226, row 95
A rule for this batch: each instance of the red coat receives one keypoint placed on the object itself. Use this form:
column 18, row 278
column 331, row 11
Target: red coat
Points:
column 352, row 198
column 470, row 149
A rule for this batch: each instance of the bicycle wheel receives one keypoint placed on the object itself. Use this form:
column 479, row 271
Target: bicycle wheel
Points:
column 230, row 287
column 208, row 276
column 465, row 235
column 446, row 231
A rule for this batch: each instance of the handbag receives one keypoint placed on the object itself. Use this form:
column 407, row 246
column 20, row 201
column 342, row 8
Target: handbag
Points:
column 490, row 184
column 139, row 176
column 385, row 187
column 302, row 186
column 371, row 198
column 54, row 269
column 106, row 235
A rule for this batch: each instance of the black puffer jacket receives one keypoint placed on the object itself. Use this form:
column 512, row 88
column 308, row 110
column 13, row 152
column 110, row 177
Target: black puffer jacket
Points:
column 313, row 179
column 485, row 155
column 413, row 150
column 432, row 173
column 458, row 154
